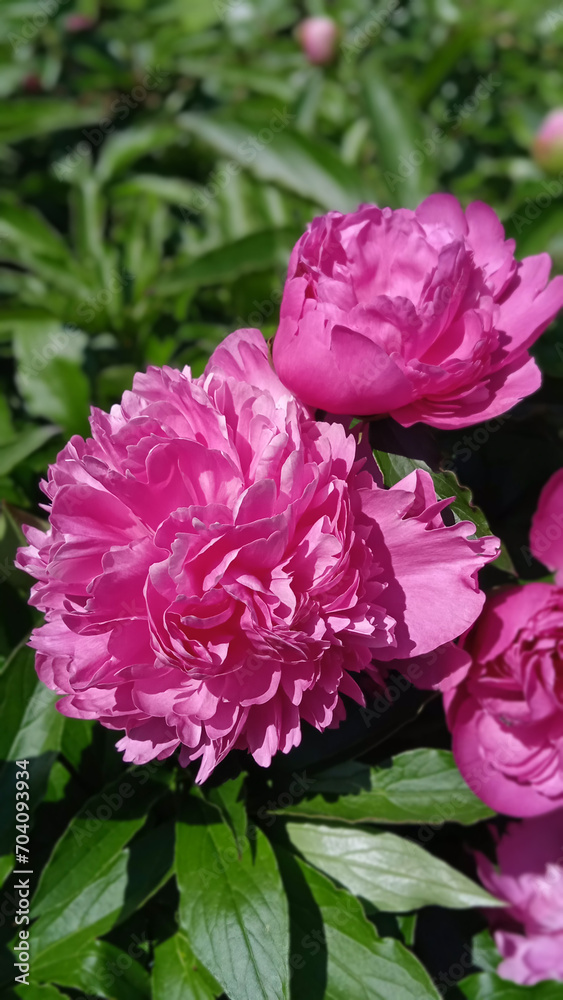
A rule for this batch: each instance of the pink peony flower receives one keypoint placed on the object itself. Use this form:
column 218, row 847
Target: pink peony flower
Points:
column 548, row 142
column 529, row 932
column 422, row 315
column 504, row 700
column 503, row 691
column 546, row 535
column 219, row 566
column 506, row 712
column 318, row 37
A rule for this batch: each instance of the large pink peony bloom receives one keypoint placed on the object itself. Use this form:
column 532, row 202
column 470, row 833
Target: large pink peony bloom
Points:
column 219, row 565
column 505, row 703
column 423, row 315
column 529, row 932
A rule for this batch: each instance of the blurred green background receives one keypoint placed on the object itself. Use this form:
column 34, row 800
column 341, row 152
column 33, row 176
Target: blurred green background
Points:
column 159, row 159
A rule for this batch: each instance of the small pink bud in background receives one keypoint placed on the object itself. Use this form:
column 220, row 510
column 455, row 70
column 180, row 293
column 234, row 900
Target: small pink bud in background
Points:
column 32, row 84
column 318, row 37
column 79, row 22
column 548, row 143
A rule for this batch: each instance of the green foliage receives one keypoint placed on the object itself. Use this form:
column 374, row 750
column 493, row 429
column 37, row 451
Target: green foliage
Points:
column 391, row 872
column 487, row 986
column 243, row 938
column 351, row 960
column 420, row 786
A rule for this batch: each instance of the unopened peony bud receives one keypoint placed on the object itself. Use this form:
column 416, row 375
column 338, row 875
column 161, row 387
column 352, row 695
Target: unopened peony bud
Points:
column 548, row 143
column 318, row 37
column 79, row 22
column 32, row 84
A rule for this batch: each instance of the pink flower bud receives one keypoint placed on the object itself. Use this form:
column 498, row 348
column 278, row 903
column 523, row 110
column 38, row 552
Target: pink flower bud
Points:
column 318, row 37
column 548, row 143
column 79, row 22
column 32, row 84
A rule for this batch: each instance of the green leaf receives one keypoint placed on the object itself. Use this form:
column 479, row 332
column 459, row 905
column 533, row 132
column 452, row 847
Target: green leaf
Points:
column 485, row 952
column 125, row 147
column 94, row 840
column 77, row 736
column 311, row 169
column 31, row 729
column 396, row 130
column 7, row 432
column 6, row 866
column 29, row 231
column 392, row 873
column 463, row 508
column 193, row 17
column 87, row 220
column 227, row 798
column 488, row 986
column 104, row 970
column 24, row 118
column 117, row 891
column 407, row 926
column 419, row 786
column 173, row 190
column 30, row 726
column 35, row 992
column 232, row 905
column 49, row 373
column 27, row 442
column 177, row 974
column 335, row 951
column 257, row 252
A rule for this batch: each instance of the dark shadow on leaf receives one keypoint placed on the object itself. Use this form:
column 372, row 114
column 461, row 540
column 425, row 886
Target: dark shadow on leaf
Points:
column 308, row 956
